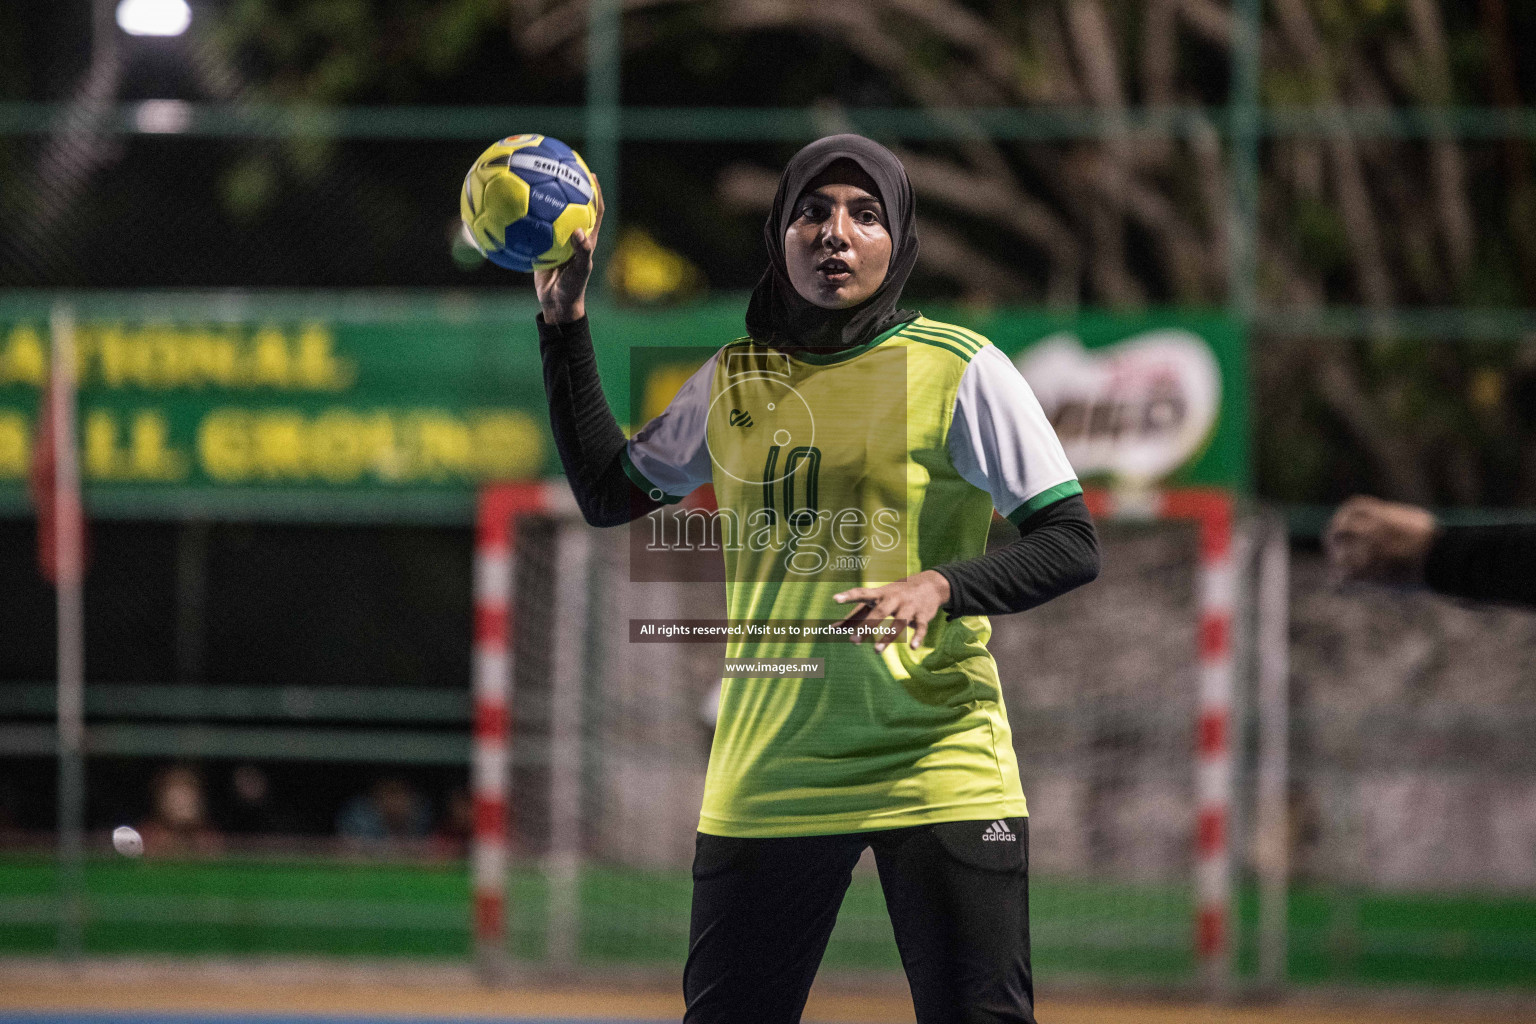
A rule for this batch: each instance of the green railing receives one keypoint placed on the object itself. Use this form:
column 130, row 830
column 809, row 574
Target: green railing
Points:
column 767, row 124
column 290, row 723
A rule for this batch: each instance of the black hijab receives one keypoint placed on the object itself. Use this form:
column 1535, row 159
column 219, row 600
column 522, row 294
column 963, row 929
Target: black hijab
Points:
column 777, row 314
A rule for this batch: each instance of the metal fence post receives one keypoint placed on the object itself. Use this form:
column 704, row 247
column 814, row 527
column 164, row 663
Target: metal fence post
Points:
column 604, row 59
column 68, row 541
column 1273, row 830
column 1243, row 115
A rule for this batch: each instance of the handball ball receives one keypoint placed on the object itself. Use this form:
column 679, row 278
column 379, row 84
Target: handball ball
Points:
column 522, row 199
column 127, row 841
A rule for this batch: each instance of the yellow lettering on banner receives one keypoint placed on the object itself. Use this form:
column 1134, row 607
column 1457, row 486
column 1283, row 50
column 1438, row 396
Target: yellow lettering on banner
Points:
column 163, row 358
column 151, row 456
column 320, row 369
column 336, row 447
column 269, row 359
column 25, row 359
column 148, row 455
column 343, row 446
column 101, row 458
column 224, row 445
column 508, row 445
column 15, row 446
column 159, row 356
column 278, row 443
column 381, row 440
column 446, row 449
column 115, row 354
column 211, row 359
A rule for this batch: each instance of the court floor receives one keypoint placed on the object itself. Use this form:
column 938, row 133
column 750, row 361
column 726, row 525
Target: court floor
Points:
column 168, row 993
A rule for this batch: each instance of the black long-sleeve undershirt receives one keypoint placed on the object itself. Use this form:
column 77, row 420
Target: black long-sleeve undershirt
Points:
column 587, row 435
column 1488, row 563
column 1056, row 551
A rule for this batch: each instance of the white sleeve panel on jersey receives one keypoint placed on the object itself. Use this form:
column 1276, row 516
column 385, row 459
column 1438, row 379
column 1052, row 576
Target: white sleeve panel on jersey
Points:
column 1001, row 441
column 672, row 451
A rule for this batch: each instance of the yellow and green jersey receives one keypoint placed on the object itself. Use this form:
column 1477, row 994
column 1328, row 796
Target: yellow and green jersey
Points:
column 856, row 468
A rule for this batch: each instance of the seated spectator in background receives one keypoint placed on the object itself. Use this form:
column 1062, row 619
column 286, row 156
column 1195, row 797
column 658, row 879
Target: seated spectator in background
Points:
column 251, row 807
column 390, row 812
column 1375, row 541
column 178, row 823
column 456, row 827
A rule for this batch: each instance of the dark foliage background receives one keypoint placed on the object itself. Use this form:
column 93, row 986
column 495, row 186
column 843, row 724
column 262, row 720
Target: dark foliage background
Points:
column 1373, row 223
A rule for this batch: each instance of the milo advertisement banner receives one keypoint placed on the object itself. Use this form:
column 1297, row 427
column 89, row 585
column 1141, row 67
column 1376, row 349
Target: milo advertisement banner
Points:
column 1148, row 401
column 398, row 409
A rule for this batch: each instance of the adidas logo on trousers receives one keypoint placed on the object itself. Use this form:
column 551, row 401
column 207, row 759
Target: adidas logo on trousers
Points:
column 999, row 832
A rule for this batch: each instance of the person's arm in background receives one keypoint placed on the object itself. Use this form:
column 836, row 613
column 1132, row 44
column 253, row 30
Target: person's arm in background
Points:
column 1375, row 541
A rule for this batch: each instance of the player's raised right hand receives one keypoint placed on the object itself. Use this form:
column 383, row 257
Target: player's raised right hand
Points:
column 562, row 290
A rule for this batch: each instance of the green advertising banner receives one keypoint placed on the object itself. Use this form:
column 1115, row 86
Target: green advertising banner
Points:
column 1158, row 399
column 397, row 407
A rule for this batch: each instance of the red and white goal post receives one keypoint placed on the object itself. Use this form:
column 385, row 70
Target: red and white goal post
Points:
column 1212, row 510
column 497, row 514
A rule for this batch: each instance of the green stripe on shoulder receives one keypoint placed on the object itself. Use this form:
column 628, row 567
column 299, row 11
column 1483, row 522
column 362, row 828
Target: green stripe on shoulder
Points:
column 981, row 340
column 948, row 346
column 959, row 341
column 929, row 334
column 963, row 333
column 968, row 343
column 925, row 335
column 1049, row 496
column 640, row 480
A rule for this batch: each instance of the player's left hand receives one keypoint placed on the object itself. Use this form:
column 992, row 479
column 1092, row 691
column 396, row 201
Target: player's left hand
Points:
column 1375, row 541
column 912, row 602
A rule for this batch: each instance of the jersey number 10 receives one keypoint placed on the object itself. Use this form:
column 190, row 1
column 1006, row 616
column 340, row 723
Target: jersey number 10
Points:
column 805, row 455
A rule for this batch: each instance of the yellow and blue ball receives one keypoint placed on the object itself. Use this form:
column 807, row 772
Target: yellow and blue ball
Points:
column 522, row 199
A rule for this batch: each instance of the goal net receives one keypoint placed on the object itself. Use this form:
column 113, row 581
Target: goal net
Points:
column 1120, row 697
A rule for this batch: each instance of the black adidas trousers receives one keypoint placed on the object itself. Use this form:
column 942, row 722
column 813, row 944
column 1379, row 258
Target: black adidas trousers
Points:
column 957, row 893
